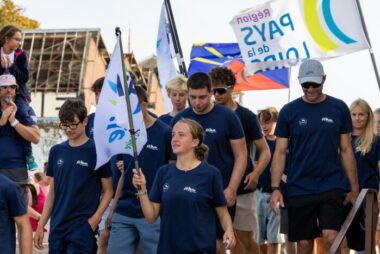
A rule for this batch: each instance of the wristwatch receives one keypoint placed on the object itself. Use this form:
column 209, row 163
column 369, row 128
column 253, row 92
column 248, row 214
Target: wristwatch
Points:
column 275, row 188
column 14, row 123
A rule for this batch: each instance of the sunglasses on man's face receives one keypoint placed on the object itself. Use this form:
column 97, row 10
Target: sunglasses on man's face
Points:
column 221, row 90
column 307, row 85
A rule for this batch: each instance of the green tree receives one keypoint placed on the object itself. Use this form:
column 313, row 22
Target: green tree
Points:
column 11, row 14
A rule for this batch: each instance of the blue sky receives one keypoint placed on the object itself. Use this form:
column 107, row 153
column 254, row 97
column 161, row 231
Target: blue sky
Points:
column 348, row 77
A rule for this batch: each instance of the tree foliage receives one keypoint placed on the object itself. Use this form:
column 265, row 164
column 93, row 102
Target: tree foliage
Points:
column 11, row 14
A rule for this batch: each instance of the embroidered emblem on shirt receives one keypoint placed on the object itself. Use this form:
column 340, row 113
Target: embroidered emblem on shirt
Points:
column 210, row 130
column 189, row 189
column 327, row 120
column 302, row 122
column 82, row 163
column 60, row 162
column 165, row 187
column 152, row 147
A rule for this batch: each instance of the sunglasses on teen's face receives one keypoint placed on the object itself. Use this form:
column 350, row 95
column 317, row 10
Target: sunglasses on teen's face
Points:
column 307, row 85
column 221, row 90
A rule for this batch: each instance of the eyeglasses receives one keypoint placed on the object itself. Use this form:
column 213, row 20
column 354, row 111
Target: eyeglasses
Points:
column 307, row 85
column 71, row 126
column 13, row 87
column 221, row 90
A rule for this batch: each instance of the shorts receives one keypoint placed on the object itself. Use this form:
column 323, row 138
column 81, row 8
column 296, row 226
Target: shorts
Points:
column 269, row 222
column 219, row 228
column 284, row 221
column 309, row 214
column 356, row 232
column 102, row 224
column 245, row 215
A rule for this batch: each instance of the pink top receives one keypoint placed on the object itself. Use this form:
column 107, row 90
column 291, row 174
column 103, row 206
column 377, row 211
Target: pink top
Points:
column 38, row 207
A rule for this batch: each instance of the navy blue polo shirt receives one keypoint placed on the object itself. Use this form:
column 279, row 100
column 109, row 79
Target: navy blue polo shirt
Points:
column 155, row 153
column 314, row 133
column 187, row 208
column 220, row 125
column 11, row 205
column 77, row 186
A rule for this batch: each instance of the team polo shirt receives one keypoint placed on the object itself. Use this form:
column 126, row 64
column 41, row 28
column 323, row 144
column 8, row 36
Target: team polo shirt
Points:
column 367, row 166
column 220, row 125
column 265, row 177
column 77, row 185
column 13, row 143
column 156, row 152
column 187, row 208
column 252, row 131
column 90, row 126
column 11, row 205
column 314, row 138
column 166, row 118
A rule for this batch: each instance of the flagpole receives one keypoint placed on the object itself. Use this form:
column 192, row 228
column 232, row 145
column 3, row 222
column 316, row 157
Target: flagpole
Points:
column 175, row 38
column 369, row 42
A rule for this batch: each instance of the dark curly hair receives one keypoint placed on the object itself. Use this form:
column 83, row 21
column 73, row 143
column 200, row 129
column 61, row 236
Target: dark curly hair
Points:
column 223, row 75
column 70, row 108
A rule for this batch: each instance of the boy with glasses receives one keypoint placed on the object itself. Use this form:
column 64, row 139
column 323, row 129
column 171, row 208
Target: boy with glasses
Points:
column 74, row 202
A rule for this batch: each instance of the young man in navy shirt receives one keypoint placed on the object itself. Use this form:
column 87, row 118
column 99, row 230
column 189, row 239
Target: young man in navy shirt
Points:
column 224, row 137
column 317, row 129
column 13, row 209
column 245, row 221
column 129, row 226
column 74, row 202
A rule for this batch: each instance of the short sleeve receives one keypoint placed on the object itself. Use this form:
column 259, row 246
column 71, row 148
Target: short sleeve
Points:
column 283, row 127
column 105, row 170
column 255, row 128
column 156, row 190
column 50, row 165
column 236, row 129
column 15, row 201
column 346, row 126
column 218, row 192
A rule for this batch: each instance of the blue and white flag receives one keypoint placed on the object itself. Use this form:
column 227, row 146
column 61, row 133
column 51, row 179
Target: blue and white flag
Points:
column 111, row 124
column 165, row 55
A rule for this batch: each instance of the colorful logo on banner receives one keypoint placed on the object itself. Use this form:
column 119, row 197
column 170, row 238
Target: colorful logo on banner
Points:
column 316, row 30
column 280, row 33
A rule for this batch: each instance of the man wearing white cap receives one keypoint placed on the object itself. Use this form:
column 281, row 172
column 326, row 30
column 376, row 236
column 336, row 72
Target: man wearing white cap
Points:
column 16, row 128
column 316, row 128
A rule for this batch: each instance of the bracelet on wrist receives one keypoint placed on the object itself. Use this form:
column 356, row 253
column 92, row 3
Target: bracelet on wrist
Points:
column 275, row 188
column 141, row 193
column 14, row 123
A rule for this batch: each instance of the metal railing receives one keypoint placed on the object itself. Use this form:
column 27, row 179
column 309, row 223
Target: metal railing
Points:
column 371, row 213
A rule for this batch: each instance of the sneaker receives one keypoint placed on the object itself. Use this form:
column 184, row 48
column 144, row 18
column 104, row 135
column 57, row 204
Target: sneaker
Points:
column 31, row 163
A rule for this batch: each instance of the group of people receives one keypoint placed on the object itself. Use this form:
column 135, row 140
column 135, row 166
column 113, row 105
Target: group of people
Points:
column 213, row 176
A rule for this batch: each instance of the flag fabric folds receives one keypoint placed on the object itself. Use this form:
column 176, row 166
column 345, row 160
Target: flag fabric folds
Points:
column 205, row 56
column 283, row 32
column 165, row 54
column 111, row 124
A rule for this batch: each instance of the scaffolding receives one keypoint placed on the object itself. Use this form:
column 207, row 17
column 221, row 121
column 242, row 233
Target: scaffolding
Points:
column 58, row 58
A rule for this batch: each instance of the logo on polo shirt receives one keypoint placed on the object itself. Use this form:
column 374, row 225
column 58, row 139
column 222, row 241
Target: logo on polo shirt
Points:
column 327, row 120
column 189, row 189
column 82, row 163
column 60, row 163
column 165, row 187
column 210, row 130
column 302, row 122
column 152, row 147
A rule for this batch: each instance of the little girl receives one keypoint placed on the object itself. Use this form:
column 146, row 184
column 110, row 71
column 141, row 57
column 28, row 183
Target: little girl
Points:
column 14, row 61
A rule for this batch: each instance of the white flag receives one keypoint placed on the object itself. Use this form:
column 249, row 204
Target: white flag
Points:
column 165, row 55
column 280, row 33
column 111, row 124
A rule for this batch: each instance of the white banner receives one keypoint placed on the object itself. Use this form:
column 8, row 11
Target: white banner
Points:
column 111, row 124
column 282, row 32
column 165, row 55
